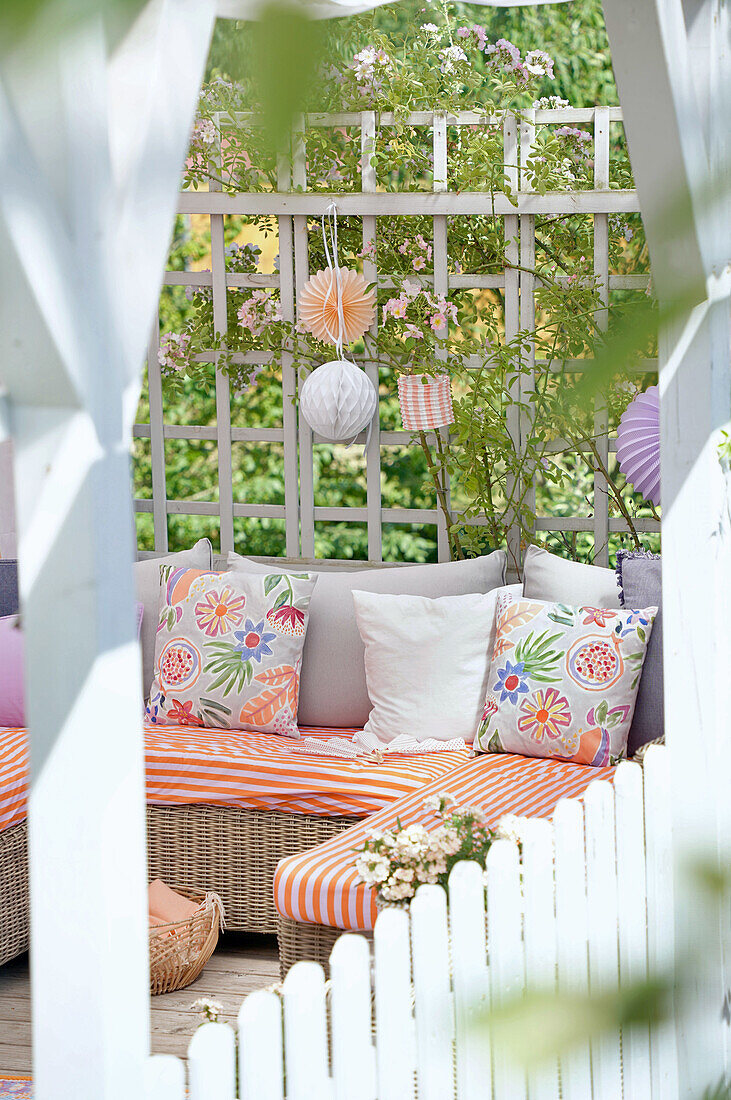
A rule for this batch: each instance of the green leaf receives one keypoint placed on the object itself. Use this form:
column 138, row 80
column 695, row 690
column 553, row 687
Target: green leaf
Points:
column 214, row 704
column 539, row 658
column 271, row 581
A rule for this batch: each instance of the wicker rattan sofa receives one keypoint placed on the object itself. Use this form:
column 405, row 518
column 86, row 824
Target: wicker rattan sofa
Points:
column 14, row 905
column 231, row 851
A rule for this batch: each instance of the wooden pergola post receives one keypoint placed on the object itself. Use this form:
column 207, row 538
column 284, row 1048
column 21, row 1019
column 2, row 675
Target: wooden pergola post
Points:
column 91, row 145
column 672, row 62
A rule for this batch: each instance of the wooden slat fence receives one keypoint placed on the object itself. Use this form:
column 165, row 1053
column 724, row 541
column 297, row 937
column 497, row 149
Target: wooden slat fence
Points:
column 293, row 205
column 584, row 908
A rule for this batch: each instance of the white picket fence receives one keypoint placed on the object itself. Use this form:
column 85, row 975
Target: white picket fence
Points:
column 586, row 907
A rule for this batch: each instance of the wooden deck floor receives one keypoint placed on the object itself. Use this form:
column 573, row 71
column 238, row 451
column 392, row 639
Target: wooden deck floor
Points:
column 240, row 965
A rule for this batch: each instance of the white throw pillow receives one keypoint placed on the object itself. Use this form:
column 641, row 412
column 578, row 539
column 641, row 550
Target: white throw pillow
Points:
column 334, row 691
column 426, row 663
column 549, row 577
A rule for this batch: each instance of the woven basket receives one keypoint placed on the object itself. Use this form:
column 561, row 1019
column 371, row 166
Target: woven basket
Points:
column 178, row 952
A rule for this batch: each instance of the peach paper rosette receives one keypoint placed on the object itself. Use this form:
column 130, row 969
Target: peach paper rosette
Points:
column 318, row 306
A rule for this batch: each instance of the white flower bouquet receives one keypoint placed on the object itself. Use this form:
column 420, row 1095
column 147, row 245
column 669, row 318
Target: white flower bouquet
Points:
column 397, row 862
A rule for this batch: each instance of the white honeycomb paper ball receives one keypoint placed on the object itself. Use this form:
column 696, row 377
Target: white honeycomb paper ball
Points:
column 338, row 400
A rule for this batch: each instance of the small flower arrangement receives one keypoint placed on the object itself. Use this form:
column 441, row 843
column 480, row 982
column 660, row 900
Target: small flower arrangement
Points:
column 397, row 862
column 209, row 1010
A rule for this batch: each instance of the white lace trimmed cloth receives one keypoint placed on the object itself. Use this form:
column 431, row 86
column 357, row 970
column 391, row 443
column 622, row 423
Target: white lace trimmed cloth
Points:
column 365, row 746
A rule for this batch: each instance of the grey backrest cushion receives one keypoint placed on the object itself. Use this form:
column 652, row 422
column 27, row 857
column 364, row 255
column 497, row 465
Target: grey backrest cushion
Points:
column 640, row 578
column 549, row 577
column 147, row 581
column 9, row 599
column 333, row 689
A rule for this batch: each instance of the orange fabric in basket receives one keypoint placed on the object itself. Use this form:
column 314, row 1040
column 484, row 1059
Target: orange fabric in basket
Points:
column 166, row 905
column 320, row 886
column 216, row 767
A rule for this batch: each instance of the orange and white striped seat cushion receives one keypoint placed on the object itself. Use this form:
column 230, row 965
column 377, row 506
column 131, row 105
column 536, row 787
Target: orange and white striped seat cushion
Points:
column 248, row 770
column 320, row 886
column 13, row 776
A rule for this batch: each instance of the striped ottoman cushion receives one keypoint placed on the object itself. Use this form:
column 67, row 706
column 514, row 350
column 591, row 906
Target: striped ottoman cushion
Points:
column 319, row 886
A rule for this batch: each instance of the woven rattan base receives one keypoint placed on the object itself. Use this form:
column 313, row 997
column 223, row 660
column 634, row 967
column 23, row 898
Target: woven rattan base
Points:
column 306, row 941
column 232, row 852
column 14, row 903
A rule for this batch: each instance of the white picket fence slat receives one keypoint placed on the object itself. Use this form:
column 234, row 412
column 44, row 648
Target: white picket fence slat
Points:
column 632, row 916
column 470, row 980
column 539, row 937
column 261, row 1048
column 164, row 1078
column 395, row 1028
column 353, row 1056
column 305, row 1033
column 601, row 898
column 212, row 1063
column 660, row 910
column 432, row 994
column 582, row 908
column 505, row 954
column 572, row 933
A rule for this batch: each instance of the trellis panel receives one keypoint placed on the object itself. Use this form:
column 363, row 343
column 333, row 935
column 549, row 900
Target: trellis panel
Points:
column 289, row 375
column 293, row 210
column 373, row 445
column 223, row 388
column 601, row 271
column 301, row 274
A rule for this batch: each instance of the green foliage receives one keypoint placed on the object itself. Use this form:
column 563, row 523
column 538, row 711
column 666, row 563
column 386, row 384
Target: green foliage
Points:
column 21, row 19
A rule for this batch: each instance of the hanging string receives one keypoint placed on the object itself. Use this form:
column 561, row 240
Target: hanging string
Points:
column 331, row 216
column 330, row 221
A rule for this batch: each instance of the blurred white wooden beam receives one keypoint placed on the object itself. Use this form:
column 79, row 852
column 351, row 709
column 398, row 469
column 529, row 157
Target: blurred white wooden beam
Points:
column 333, row 9
column 90, row 155
column 672, row 60
column 652, row 67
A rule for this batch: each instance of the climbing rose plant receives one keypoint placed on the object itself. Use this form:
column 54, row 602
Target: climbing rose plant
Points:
column 495, row 384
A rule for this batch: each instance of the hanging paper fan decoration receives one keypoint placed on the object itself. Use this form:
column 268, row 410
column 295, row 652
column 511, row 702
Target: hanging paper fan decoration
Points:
column 638, row 444
column 426, row 403
column 337, row 400
column 318, row 306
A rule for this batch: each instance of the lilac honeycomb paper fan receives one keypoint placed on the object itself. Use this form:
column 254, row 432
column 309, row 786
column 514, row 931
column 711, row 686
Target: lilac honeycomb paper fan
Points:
column 638, row 444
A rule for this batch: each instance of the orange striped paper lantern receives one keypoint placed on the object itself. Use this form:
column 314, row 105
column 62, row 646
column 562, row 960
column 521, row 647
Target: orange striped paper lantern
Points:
column 426, row 402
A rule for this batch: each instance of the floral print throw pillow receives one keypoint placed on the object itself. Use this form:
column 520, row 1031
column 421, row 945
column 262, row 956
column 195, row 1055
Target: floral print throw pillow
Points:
column 563, row 680
column 228, row 651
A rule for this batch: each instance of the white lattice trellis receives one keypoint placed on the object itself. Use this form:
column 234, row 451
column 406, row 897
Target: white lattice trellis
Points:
column 293, row 205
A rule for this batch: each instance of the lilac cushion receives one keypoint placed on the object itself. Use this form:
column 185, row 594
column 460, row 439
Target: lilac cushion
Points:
column 9, row 601
column 640, row 582
column 12, row 708
column 12, row 711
